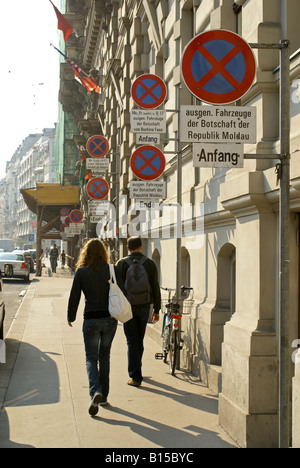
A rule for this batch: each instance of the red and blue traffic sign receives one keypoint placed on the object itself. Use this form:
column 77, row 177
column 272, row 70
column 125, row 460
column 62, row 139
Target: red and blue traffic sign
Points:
column 97, row 146
column 67, row 221
column 149, row 91
column 64, row 212
column 76, row 216
column 218, row 66
column 148, row 162
column 97, row 188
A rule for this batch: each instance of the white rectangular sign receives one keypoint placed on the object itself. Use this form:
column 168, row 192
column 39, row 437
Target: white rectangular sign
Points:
column 229, row 124
column 147, row 204
column 218, row 155
column 97, row 165
column 74, row 228
column 95, row 219
column 144, row 139
column 147, row 121
column 98, row 207
column 145, row 190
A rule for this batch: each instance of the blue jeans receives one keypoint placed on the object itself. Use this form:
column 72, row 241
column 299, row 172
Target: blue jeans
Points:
column 135, row 330
column 98, row 336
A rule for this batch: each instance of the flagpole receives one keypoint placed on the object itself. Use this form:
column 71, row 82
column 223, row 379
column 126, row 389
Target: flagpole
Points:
column 67, row 58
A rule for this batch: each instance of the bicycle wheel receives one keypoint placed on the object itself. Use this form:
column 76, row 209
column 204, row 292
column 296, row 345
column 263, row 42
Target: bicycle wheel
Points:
column 174, row 350
column 166, row 342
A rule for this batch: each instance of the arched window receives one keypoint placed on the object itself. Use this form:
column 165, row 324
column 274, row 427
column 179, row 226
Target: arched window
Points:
column 225, row 302
column 156, row 259
column 226, row 278
column 185, row 267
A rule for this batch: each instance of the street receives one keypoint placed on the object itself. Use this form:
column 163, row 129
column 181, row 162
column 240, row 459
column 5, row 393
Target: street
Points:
column 14, row 291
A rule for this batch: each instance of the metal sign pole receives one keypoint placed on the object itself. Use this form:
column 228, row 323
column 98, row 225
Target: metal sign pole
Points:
column 179, row 211
column 284, row 309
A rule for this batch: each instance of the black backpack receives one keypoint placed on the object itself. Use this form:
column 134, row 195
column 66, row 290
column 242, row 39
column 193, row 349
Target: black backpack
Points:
column 137, row 282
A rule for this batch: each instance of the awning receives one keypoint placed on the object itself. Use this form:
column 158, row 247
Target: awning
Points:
column 51, row 198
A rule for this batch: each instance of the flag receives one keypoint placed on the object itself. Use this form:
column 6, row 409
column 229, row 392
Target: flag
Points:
column 89, row 83
column 84, row 174
column 63, row 24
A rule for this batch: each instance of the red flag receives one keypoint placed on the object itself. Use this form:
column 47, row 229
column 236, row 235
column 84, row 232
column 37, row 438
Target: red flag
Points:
column 63, row 24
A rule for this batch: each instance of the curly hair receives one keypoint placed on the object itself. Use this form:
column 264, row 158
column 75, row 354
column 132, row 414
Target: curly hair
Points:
column 92, row 255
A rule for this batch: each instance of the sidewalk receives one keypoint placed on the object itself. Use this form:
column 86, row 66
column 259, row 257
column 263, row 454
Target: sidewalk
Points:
column 44, row 395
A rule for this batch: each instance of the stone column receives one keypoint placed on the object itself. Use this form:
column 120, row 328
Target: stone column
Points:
column 249, row 398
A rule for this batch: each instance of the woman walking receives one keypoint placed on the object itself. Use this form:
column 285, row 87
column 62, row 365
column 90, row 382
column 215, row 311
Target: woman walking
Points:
column 99, row 328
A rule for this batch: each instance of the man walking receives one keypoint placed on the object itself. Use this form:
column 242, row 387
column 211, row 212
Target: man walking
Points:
column 140, row 281
column 53, row 258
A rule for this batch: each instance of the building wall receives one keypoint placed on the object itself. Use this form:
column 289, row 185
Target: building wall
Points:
column 230, row 328
column 32, row 162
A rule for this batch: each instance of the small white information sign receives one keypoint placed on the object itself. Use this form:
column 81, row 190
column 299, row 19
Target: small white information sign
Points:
column 144, row 139
column 74, row 229
column 146, row 204
column 97, row 165
column 148, row 121
column 98, row 207
column 147, row 189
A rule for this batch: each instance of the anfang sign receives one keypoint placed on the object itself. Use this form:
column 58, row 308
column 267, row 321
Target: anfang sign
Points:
column 224, row 155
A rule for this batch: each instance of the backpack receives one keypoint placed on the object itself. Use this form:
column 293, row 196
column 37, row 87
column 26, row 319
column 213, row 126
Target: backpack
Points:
column 137, row 282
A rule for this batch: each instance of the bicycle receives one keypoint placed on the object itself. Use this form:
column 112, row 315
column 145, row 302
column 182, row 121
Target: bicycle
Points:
column 171, row 331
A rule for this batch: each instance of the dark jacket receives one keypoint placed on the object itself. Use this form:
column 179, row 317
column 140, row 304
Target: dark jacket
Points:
column 94, row 284
column 150, row 267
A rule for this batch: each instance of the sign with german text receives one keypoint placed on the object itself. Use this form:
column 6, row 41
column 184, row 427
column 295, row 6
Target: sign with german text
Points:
column 146, row 189
column 226, row 155
column 148, row 121
column 218, row 124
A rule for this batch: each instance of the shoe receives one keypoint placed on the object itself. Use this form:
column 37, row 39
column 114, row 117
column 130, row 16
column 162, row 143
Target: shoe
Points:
column 104, row 402
column 96, row 400
column 134, row 383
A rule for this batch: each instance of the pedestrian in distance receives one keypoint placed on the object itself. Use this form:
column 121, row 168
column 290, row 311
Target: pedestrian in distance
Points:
column 63, row 259
column 53, row 258
column 140, row 284
column 99, row 328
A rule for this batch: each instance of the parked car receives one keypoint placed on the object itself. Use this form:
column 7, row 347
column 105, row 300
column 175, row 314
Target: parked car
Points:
column 14, row 265
column 2, row 310
column 33, row 254
column 29, row 258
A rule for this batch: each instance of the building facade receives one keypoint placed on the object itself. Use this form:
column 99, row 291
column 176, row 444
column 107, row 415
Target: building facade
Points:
column 33, row 162
column 231, row 258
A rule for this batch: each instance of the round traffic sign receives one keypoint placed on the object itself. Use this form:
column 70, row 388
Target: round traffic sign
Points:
column 97, row 146
column 97, row 188
column 148, row 162
column 64, row 212
column 76, row 216
column 149, row 91
column 218, row 66
column 67, row 221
